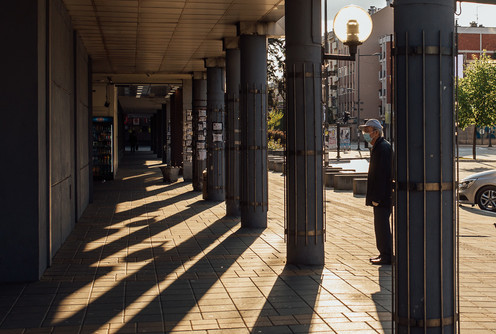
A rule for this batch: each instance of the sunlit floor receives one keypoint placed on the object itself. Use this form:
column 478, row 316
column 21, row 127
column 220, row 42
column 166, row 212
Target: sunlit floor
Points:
column 151, row 257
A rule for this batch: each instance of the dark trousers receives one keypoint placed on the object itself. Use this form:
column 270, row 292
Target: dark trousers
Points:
column 383, row 231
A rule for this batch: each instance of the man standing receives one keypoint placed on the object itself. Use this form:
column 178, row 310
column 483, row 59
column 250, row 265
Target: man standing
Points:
column 379, row 184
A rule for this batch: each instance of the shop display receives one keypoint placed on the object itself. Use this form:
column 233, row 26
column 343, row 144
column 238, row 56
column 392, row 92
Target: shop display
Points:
column 103, row 167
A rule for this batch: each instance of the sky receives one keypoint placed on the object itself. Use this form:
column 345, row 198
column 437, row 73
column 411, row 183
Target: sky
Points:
column 481, row 13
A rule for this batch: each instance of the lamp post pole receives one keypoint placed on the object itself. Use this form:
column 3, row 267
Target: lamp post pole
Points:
column 358, row 98
column 358, row 92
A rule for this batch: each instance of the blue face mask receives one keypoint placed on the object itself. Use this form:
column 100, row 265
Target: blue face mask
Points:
column 367, row 137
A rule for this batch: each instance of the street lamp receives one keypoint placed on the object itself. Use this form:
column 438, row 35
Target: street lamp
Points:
column 352, row 25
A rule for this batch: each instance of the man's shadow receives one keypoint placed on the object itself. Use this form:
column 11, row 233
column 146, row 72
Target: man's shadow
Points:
column 383, row 298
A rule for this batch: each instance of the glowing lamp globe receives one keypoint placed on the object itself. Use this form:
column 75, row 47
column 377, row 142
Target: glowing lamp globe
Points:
column 352, row 25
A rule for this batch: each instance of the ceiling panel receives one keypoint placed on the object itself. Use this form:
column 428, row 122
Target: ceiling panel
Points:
column 166, row 37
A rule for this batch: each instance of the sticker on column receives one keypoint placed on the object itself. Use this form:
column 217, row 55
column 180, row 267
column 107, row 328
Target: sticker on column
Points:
column 217, row 126
column 216, row 137
column 202, row 155
column 201, row 137
column 202, row 112
column 200, row 145
column 200, row 126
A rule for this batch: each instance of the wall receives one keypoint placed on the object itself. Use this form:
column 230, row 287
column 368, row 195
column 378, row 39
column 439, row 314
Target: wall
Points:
column 45, row 146
column 473, row 40
column 82, row 128
column 62, row 137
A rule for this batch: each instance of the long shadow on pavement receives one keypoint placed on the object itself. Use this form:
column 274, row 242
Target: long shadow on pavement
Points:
column 383, row 298
column 291, row 302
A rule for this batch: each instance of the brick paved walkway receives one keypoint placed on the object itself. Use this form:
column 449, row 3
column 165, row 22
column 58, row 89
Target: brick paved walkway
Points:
column 149, row 257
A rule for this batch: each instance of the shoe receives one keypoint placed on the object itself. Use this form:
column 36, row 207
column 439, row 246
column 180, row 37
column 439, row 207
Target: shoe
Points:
column 380, row 261
column 374, row 258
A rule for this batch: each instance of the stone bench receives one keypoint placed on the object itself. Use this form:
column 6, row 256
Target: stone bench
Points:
column 332, row 169
column 329, row 176
column 280, row 165
column 360, row 186
column 273, row 161
column 344, row 181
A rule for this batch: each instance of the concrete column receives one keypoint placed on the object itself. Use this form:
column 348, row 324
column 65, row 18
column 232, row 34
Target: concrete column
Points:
column 253, row 104
column 160, row 134
column 199, row 129
column 153, row 125
column 233, row 142
column 167, row 132
column 425, row 227
column 163, row 131
column 176, row 128
column 305, row 231
column 215, row 135
column 25, row 235
column 187, row 91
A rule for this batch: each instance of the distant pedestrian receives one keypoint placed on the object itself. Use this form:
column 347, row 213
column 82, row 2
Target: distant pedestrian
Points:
column 133, row 141
column 379, row 186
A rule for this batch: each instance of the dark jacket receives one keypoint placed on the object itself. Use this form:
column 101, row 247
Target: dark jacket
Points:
column 379, row 182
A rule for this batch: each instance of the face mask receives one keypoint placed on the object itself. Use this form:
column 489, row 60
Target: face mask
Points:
column 367, row 137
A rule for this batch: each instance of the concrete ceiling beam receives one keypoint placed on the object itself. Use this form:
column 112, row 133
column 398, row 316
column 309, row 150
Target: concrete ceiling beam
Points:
column 269, row 29
column 215, row 62
column 143, row 78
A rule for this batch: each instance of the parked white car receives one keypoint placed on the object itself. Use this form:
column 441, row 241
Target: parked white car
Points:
column 479, row 189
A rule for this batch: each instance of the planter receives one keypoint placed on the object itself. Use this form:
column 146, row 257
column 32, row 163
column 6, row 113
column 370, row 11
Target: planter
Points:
column 170, row 173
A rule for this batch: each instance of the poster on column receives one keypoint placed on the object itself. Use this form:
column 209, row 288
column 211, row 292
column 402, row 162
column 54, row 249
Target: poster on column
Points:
column 345, row 140
column 332, row 144
column 217, row 137
column 202, row 155
column 217, row 126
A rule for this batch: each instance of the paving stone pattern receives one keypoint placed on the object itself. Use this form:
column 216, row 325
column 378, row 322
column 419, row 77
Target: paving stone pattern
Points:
column 151, row 257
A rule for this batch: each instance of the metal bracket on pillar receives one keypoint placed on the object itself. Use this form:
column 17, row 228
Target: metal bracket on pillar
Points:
column 428, row 323
column 419, row 50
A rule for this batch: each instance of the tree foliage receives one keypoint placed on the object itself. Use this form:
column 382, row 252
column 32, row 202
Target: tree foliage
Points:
column 276, row 77
column 276, row 70
column 275, row 119
column 477, row 95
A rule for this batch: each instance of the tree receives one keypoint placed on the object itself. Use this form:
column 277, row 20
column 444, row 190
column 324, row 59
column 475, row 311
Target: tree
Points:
column 276, row 77
column 477, row 96
column 276, row 71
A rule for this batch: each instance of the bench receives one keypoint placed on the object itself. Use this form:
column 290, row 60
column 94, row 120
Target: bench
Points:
column 273, row 161
column 280, row 166
column 329, row 176
column 344, row 181
column 360, row 186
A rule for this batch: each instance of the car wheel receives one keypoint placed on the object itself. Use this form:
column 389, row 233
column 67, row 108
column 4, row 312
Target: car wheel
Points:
column 486, row 198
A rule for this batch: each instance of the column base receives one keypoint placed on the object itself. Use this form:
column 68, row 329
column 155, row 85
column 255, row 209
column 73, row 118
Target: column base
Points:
column 253, row 218
column 310, row 254
column 233, row 209
column 216, row 196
